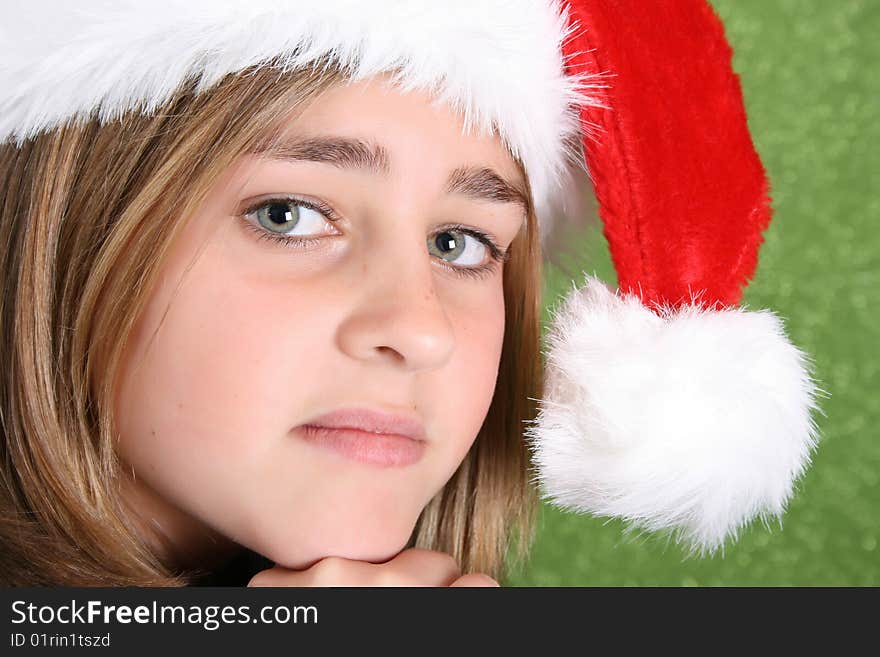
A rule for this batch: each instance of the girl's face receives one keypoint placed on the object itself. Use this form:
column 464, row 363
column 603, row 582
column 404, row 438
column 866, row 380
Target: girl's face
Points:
column 247, row 338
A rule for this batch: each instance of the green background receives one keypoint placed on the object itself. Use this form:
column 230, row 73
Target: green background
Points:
column 809, row 72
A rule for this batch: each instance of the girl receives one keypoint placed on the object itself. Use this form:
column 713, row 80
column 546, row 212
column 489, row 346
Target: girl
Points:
column 249, row 307
column 271, row 292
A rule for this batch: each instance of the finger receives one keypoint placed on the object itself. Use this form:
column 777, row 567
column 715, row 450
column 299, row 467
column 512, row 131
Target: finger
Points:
column 418, row 567
column 329, row 571
column 275, row 576
column 475, row 580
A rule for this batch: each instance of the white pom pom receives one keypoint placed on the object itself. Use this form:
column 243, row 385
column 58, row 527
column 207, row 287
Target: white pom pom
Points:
column 693, row 420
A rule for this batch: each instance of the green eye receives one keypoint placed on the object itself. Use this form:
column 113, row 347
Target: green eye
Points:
column 458, row 247
column 279, row 216
column 289, row 218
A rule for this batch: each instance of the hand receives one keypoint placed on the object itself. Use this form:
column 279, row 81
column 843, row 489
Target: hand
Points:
column 413, row 567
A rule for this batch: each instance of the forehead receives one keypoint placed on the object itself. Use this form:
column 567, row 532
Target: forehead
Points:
column 405, row 126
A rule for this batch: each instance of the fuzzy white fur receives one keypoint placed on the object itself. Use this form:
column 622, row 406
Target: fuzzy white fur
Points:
column 694, row 421
column 497, row 62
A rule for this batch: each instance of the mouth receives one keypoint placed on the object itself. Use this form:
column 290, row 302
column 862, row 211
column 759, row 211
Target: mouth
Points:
column 380, row 449
column 374, row 437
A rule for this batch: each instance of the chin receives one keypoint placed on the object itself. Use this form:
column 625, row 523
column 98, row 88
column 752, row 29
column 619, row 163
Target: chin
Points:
column 376, row 543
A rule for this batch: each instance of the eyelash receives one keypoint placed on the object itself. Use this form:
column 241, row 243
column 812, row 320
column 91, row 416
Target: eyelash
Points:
column 496, row 254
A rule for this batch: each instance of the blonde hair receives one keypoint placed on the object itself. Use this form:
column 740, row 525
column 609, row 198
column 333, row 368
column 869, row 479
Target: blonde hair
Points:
column 87, row 212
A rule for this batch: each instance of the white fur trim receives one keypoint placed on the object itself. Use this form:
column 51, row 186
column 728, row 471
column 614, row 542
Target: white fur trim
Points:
column 693, row 420
column 497, row 62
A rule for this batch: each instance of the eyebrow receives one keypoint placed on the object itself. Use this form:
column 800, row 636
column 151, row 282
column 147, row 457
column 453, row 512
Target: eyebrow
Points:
column 477, row 183
column 484, row 184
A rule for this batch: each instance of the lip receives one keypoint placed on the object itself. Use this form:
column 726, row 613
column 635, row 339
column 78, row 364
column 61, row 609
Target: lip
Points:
column 368, row 436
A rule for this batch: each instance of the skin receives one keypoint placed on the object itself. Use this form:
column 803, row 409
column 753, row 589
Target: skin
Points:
column 244, row 339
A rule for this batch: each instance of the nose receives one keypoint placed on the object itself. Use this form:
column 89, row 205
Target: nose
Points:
column 398, row 317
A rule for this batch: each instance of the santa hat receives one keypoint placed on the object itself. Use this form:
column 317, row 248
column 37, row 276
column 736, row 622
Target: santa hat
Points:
column 666, row 403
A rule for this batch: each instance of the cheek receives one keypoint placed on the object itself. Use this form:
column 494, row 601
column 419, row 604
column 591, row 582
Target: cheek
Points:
column 465, row 388
column 205, row 399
